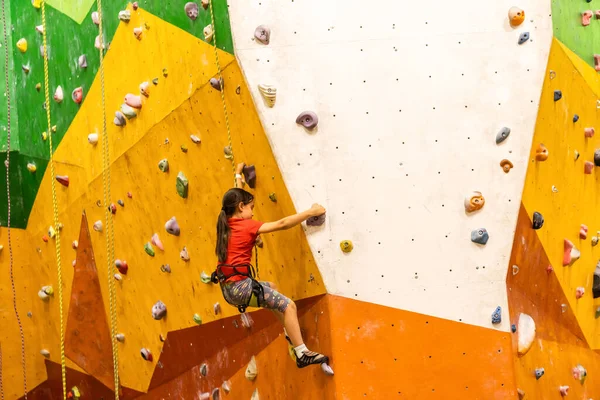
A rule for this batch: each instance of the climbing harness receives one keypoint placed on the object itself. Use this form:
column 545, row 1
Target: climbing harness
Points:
column 110, row 248
column 226, row 271
column 54, row 205
column 10, row 250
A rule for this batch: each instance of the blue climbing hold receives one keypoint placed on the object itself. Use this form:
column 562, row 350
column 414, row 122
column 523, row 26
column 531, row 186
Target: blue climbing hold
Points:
column 524, row 37
column 557, row 95
column 513, row 328
column 497, row 315
column 480, row 236
column 575, row 118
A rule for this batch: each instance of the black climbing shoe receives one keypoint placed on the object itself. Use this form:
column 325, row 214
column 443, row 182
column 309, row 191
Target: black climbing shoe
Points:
column 310, row 358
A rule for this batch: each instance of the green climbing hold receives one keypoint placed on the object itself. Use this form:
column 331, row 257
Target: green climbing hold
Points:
column 184, row 148
column 163, row 165
column 204, row 277
column 182, row 185
column 198, row 319
column 149, row 249
column 273, row 197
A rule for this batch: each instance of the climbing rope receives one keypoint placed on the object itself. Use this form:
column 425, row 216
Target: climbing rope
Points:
column 212, row 19
column 110, row 249
column 54, row 205
column 10, row 250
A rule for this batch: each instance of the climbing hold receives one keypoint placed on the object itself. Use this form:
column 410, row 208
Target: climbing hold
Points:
column 307, row 119
column 184, row 148
column 133, row 101
column 163, row 165
column 217, row 308
column 204, row 277
column 159, row 310
column 149, row 249
column 516, row 16
column 474, row 201
column 513, row 328
column 155, row 80
column 120, row 202
column 208, row 33
column 506, row 165
column 575, row 118
column 327, row 369
column 564, row 308
column 31, row 167
column 128, row 111
column 586, row 16
column 146, row 354
column 137, row 32
column 135, row 5
column 541, row 153
column 166, row 268
column 538, row 220
column 521, row 393
column 172, row 227
column 597, row 313
column 26, row 68
column 580, row 373
column 58, row 94
column 93, row 138
column 554, row 189
column 576, row 155
column 74, row 244
column 502, row 135
column 198, row 319
column 157, row 242
column 216, row 394
column 497, row 315
column 98, row 226
column 539, row 372
column 346, row 246
column 129, row 195
column 259, row 242
column 238, row 89
column 145, row 89
column 589, row 132
column 557, row 95
column 22, row 45
column 45, row 292
column 38, row 86
column 184, row 255
column 597, row 158
column 120, row 337
column 523, row 37
column 63, row 180
column 118, row 277
column 125, row 15
column 226, row 386
column 252, row 369
column 51, row 232
column 97, row 43
column 203, row 367
column 571, row 254
column 249, row 172
column 247, row 320
column 95, row 18
column 515, row 269
column 182, row 185
column 45, row 353
column 122, row 266
column 119, row 119
column 269, row 93
column 42, row 52
column 217, row 84
column 526, row 333
column 316, row 220
column 191, row 9
column 588, row 167
column 480, row 236
column 273, row 197
column 228, row 152
column 263, row 34
column 74, row 393
column 165, row 73
column 564, row 390
column 596, row 283
column 597, row 62
column 36, row 3
column 195, row 139
column 595, row 239
column 77, row 95
column 205, row 3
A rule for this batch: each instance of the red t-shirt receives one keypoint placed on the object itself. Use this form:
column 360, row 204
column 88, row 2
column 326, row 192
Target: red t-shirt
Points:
column 241, row 241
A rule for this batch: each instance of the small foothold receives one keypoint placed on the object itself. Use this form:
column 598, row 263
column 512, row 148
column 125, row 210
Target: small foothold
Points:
column 75, row 245
column 564, row 390
column 165, row 73
column 552, row 74
column 31, row 167
column 184, row 148
column 480, row 236
column 228, row 152
column 149, row 249
column 515, row 269
column 346, row 246
column 307, row 119
column 97, row 43
column 580, row 373
column 121, row 203
column 571, row 253
column 217, row 84
column 184, row 255
column 182, row 185
column 589, row 132
column 588, row 167
column 595, row 239
column 273, row 197
column 155, row 81
column 226, row 386
column 208, row 33
column 216, row 394
column 163, row 165
column 128, row 111
column 159, row 310
column 137, row 32
column 45, row 292
column 238, row 90
column 36, row 3
column 597, row 62
column 521, row 394
column 74, row 394
column 26, row 68
column 579, row 292
column 197, row 319
column 249, row 172
column 166, row 268
column 316, row 220
column 118, row 277
column 557, row 95
column 205, row 278
column 93, row 138
column 255, row 395
column 146, row 354
column 58, row 94
column 502, row 135
column 554, row 189
column 576, row 155
column 474, row 201
column 122, row 266
column 42, row 52
column 541, row 153
column 96, row 18
column 327, row 369
column 516, row 16
column 217, row 309
column 38, row 86
column 586, row 16
column 539, row 372
column 119, row 119
column 133, row 100
column 497, row 315
column 251, row 369
column 583, row 232
column 125, row 15
column 120, row 337
column 145, row 88
column 63, row 180
column 51, row 232
column 262, row 34
column 157, row 242
column 172, row 227
column 45, row 238
column 195, row 139
column 247, row 320
column 269, row 93
column 45, row 353
column 77, row 95
column 506, row 165
column 98, row 226
column 191, row 9
column 203, row 367
column 523, row 37
column 538, row 220
column 513, row 328
column 161, row 338
column 564, row 308
column 135, row 5
column 205, row 3
column 575, row 118
column 22, row 45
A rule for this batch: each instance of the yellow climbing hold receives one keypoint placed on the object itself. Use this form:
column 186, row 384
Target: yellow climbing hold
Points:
column 22, row 45
column 53, row 128
column 346, row 246
column 44, row 136
column 31, row 167
column 36, row 3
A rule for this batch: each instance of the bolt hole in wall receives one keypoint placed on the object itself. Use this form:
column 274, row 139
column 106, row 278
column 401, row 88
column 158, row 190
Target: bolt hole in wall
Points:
column 408, row 116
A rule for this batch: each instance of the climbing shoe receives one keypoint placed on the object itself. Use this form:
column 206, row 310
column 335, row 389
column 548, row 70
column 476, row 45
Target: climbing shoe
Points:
column 310, row 358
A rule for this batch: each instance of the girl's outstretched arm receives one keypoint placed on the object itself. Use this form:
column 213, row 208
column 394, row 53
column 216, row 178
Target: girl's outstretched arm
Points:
column 292, row 220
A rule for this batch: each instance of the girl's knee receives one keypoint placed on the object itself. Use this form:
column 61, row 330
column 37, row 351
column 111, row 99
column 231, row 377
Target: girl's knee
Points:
column 291, row 306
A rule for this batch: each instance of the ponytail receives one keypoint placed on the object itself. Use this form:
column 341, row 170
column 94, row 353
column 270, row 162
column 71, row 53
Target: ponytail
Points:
column 223, row 231
column 231, row 201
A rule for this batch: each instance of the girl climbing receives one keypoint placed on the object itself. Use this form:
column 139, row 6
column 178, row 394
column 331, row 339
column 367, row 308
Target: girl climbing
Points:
column 236, row 236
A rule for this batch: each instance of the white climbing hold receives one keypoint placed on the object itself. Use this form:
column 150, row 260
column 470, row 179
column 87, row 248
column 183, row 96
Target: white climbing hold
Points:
column 252, row 369
column 145, row 88
column 515, row 269
column 255, row 395
column 93, row 138
column 526, row 332
column 97, row 43
column 125, row 15
column 82, row 61
column 45, row 353
column 157, row 242
column 327, row 369
column 137, row 32
column 120, row 337
column 226, row 386
column 205, row 278
column 269, row 93
column 184, row 254
column 58, row 94
column 45, row 292
column 195, row 139
column 118, row 277
column 40, row 29
column 98, row 226
column 208, row 33
column 247, row 320
column 96, row 18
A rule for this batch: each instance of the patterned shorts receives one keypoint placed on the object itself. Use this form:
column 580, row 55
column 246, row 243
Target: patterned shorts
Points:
column 238, row 292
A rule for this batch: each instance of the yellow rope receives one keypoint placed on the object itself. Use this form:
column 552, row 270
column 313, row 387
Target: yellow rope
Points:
column 212, row 19
column 54, row 206
column 110, row 250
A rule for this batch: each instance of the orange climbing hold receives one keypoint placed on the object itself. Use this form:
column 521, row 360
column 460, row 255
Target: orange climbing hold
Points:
column 541, row 153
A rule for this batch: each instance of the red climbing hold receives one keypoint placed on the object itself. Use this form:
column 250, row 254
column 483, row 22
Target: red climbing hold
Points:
column 122, row 266
column 63, row 180
column 588, row 167
column 583, row 232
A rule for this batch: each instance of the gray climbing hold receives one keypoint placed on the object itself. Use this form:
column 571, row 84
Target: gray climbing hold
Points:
column 308, row 119
column 204, row 369
column 316, row 221
column 125, row 15
column 575, row 118
column 249, row 172
column 539, row 372
column 120, row 202
column 128, row 111
column 524, row 37
column 82, row 61
column 597, row 312
column 327, row 369
column 216, row 394
column 172, row 227
column 149, row 249
column 182, row 185
column 502, row 135
column 163, row 165
column 191, row 9
column 120, row 337
column 217, row 84
column 497, row 315
column 480, row 236
column 119, row 119
column 155, row 81
column 262, row 33
column 597, row 158
column 226, row 386
column 513, row 328
column 557, row 95
column 166, row 268
column 159, row 310
column 538, row 220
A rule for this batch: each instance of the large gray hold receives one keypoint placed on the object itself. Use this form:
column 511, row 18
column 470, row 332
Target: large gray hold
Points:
column 172, row 227
column 159, row 310
column 502, row 135
column 217, row 84
column 191, row 9
column 480, row 236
